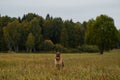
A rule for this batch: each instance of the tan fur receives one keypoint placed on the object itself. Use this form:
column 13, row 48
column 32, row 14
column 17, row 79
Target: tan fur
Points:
column 59, row 63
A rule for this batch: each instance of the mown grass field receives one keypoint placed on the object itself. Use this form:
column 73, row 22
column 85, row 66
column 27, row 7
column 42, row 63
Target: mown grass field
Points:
column 77, row 66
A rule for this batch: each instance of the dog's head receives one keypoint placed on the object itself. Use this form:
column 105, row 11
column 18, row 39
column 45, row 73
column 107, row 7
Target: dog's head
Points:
column 57, row 56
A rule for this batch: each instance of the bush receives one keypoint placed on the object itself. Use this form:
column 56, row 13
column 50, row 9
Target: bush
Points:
column 73, row 50
column 60, row 48
column 47, row 45
column 88, row 48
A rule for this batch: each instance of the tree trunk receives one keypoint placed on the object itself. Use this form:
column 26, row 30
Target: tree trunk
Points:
column 27, row 49
column 101, row 51
column 9, row 47
column 16, row 49
column 34, row 50
column 30, row 50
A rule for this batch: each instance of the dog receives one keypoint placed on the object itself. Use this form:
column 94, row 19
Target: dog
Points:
column 58, row 61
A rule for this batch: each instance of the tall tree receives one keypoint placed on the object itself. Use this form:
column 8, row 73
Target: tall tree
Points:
column 47, row 29
column 84, row 24
column 48, row 16
column 119, row 38
column 119, row 34
column 5, row 20
column 89, row 33
column 28, row 17
column 25, row 30
column 71, row 33
column 79, row 34
column 57, row 26
column 36, row 31
column 0, row 34
column 102, row 33
column 64, row 37
column 30, row 42
column 12, row 35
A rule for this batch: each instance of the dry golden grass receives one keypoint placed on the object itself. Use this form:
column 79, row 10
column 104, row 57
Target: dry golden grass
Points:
column 77, row 66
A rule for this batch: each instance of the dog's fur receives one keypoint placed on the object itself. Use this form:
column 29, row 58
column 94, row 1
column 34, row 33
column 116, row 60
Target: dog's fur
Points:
column 58, row 61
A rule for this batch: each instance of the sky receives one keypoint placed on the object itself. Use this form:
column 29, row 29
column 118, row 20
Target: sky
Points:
column 77, row 10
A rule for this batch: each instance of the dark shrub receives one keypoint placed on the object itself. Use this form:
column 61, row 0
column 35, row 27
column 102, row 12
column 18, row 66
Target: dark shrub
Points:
column 47, row 45
column 88, row 48
column 60, row 48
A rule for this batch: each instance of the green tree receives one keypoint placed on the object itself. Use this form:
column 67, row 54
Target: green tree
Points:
column 28, row 17
column 64, row 37
column 102, row 33
column 57, row 26
column 69, row 25
column 36, row 31
column 89, row 33
column 48, row 16
column 119, row 33
column 30, row 42
column 119, row 38
column 5, row 20
column 84, row 24
column 25, row 30
column 1, row 35
column 47, row 29
column 79, row 34
column 12, row 35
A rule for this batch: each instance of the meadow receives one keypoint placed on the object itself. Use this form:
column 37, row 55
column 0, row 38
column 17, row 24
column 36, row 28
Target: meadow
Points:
column 78, row 66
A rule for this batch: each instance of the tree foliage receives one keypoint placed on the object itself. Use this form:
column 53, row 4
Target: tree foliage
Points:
column 30, row 42
column 102, row 32
column 35, row 33
column 12, row 35
column 35, row 29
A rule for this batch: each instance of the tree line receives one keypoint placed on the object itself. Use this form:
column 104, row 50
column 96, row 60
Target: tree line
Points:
column 33, row 33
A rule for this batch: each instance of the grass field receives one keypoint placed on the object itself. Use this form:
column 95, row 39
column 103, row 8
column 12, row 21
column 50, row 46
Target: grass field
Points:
column 77, row 66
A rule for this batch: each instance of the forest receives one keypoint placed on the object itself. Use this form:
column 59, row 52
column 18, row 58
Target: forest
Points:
column 33, row 33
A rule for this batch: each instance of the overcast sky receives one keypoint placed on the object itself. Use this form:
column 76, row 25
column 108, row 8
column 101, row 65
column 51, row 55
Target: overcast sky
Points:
column 78, row 10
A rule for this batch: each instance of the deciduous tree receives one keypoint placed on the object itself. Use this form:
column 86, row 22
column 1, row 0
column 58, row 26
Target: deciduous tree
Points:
column 12, row 35
column 30, row 42
column 102, row 33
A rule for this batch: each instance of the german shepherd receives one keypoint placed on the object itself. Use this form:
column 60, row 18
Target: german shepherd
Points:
column 58, row 61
